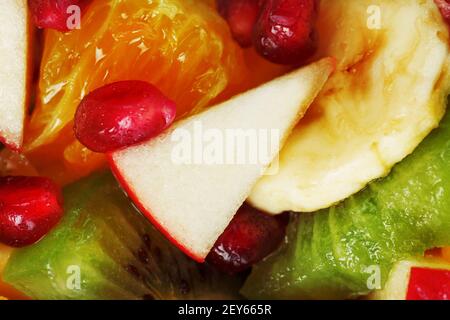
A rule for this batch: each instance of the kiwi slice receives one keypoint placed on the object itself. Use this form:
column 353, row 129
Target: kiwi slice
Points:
column 335, row 253
column 104, row 249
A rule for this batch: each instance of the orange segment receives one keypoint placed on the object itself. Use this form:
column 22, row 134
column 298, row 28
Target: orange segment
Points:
column 181, row 46
column 261, row 70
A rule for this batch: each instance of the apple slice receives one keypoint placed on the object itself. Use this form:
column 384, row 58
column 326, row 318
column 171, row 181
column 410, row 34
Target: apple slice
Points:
column 14, row 70
column 417, row 279
column 193, row 200
column 429, row 284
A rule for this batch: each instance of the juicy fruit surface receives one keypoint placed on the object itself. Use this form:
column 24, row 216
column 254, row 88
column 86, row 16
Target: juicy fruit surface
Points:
column 192, row 193
column 29, row 208
column 429, row 284
column 363, row 122
column 327, row 253
column 444, row 7
column 119, row 254
column 15, row 164
column 249, row 238
column 180, row 46
column 285, row 32
column 6, row 290
column 396, row 287
column 446, row 253
column 14, row 71
column 121, row 114
column 53, row 14
column 11, row 164
column 241, row 16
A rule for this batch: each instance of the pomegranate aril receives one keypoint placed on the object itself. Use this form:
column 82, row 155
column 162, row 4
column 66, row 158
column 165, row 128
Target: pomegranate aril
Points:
column 250, row 237
column 29, row 208
column 241, row 16
column 285, row 31
column 122, row 114
column 444, row 7
column 52, row 14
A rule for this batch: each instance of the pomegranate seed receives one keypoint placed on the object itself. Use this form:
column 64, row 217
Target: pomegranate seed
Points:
column 29, row 208
column 249, row 238
column 444, row 7
column 241, row 16
column 122, row 114
column 52, row 14
column 285, row 31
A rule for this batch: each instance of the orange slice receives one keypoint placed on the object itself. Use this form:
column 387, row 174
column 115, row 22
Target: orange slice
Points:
column 181, row 46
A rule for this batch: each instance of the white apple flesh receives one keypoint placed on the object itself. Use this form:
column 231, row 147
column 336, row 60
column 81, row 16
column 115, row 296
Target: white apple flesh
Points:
column 14, row 70
column 192, row 202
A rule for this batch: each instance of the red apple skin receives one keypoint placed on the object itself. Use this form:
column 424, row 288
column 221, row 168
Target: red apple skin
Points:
column 428, row 284
column 130, row 192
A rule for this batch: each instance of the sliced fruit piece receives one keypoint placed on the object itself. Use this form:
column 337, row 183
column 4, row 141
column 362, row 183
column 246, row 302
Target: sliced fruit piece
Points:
column 14, row 70
column 6, row 290
column 5, row 252
column 192, row 202
column 363, row 122
column 429, row 284
column 401, row 277
column 115, row 252
column 333, row 253
column 446, row 253
column 183, row 47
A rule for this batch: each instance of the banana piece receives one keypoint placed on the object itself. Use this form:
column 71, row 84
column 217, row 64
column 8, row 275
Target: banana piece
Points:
column 388, row 93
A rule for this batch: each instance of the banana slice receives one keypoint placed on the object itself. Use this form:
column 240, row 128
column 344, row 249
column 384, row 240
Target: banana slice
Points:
column 388, row 93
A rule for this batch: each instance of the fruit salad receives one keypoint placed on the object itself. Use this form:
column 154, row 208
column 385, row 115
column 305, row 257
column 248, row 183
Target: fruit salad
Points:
column 225, row 149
